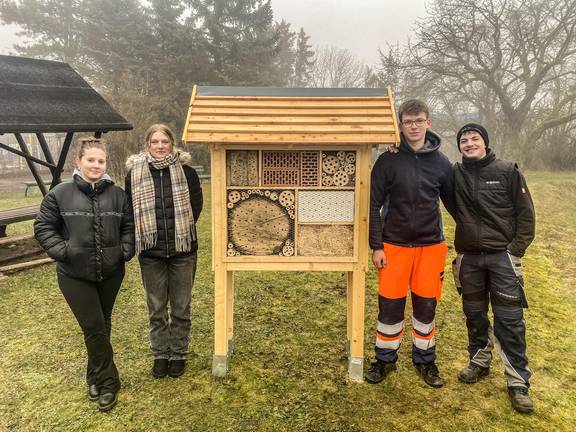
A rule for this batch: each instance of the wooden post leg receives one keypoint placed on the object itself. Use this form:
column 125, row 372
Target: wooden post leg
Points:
column 220, row 359
column 230, row 310
column 348, row 312
column 356, row 316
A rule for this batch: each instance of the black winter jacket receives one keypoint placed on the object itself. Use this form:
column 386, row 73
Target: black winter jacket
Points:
column 494, row 207
column 407, row 187
column 166, row 242
column 88, row 231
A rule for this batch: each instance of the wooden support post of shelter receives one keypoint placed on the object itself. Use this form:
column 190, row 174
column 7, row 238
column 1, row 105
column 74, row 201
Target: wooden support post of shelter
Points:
column 290, row 189
column 42, row 96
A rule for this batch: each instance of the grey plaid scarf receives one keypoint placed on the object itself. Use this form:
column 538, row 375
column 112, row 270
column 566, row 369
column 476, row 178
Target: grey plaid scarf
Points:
column 143, row 201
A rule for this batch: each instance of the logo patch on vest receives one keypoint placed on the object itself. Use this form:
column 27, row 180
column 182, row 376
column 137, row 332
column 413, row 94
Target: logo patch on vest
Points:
column 493, row 182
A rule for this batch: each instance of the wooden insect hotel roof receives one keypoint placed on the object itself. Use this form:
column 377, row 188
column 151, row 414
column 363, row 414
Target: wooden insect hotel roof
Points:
column 263, row 115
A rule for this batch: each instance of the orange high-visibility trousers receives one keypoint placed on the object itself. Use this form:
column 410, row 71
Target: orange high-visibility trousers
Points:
column 421, row 269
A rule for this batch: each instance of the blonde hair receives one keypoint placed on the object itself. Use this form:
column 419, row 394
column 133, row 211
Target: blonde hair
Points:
column 159, row 127
column 86, row 143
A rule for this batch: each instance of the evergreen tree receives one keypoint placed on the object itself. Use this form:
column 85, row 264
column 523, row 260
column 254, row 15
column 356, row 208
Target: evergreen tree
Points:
column 286, row 54
column 53, row 27
column 304, row 60
column 240, row 38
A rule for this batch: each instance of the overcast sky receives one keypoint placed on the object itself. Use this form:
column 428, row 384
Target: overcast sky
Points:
column 362, row 26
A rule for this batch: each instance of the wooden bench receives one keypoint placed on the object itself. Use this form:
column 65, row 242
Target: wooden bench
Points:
column 30, row 184
column 14, row 215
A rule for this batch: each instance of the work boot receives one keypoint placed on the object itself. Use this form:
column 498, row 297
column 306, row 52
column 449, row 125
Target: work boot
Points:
column 107, row 401
column 521, row 402
column 160, row 368
column 378, row 371
column 472, row 373
column 430, row 374
column 176, row 368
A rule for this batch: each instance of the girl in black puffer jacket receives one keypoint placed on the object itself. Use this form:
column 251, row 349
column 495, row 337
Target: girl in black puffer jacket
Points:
column 86, row 226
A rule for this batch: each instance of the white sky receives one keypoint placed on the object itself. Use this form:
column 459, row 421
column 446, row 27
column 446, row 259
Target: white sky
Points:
column 362, row 26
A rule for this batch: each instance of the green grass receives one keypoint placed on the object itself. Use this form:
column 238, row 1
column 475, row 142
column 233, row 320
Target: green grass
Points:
column 288, row 371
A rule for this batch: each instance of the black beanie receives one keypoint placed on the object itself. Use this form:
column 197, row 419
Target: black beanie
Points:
column 473, row 127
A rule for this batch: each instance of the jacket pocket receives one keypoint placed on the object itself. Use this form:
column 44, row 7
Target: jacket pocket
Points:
column 112, row 259
column 456, row 266
column 59, row 252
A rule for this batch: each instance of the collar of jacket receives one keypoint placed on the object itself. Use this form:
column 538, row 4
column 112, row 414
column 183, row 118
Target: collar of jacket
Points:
column 88, row 188
column 479, row 163
column 432, row 143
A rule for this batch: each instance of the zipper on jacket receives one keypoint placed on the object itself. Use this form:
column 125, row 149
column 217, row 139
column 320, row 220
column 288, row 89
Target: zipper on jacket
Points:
column 164, row 215
column 477, row 208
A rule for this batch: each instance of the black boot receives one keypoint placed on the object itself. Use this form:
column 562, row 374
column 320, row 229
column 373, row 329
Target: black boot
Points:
column 472, row 373
column 520, row 399
column 160, row 368
column 430, row 374
column 176, row 368
column 378, row 371
column 107, row 401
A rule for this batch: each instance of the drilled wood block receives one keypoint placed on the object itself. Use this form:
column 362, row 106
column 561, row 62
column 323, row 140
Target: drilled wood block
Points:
column 260, row 222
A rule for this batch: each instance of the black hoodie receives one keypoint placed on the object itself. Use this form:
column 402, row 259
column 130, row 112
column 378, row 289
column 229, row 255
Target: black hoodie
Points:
column 407, row 186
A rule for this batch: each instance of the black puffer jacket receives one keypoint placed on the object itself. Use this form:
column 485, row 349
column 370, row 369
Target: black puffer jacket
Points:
column 165, row 224
column 494, row 208
column 408, row 186
column 88, row 231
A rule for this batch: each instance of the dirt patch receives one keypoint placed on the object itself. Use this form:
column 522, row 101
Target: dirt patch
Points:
column 19, row 251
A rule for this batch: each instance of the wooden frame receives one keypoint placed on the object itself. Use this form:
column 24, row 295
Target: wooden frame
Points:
column 296, row 123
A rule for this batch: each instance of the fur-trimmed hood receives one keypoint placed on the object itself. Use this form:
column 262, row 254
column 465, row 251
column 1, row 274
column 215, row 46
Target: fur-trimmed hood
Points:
column 185, row 158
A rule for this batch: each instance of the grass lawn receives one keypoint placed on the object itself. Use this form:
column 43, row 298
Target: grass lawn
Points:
column 288, row 371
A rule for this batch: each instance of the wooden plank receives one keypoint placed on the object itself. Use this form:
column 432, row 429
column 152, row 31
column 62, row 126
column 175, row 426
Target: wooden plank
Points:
column 288, row 120
column 291, row 266
column 304, row 111
column 24, row 266
column 194, row 88
column 290, row 128
column 293, row 103
column 19, row 214
column 281, row 260
column 14, row 239
column 345, row 138
column 303, row 98
column 394, row 116
column 220, row 311
column 230, row 306
column 358, row 279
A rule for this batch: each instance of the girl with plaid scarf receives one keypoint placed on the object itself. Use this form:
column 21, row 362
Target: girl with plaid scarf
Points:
column 167, row 200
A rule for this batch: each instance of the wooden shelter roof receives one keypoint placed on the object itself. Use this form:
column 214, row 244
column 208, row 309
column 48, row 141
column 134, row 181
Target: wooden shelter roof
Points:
column 47, row 96
column 262, row 115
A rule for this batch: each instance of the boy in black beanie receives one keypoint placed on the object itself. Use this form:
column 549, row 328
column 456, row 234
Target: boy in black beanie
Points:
column 494, row 226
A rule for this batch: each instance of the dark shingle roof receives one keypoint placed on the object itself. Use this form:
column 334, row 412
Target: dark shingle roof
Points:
column 49, row 96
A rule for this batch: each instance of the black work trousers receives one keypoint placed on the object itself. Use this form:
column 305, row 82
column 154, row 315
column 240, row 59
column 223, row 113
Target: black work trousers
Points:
column 92, row 303
column 494, row 278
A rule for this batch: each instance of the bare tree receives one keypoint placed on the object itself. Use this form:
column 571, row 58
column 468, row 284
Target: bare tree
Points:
column 337, row 67
column 511, row 61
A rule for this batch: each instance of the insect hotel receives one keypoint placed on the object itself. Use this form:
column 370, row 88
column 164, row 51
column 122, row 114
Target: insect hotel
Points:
column 290, row 189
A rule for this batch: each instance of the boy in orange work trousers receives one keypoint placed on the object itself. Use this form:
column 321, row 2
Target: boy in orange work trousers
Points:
column 408, row 244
